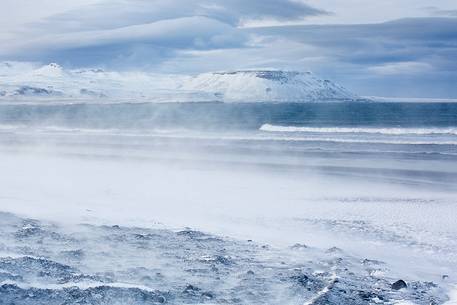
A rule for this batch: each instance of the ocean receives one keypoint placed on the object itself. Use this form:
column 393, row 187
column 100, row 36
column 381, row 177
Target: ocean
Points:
column 415, row 131
column 233, row 116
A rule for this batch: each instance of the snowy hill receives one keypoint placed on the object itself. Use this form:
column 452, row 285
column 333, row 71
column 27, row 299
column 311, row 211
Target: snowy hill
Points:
column 28, row 82
column 21, row 82
column 268, row 85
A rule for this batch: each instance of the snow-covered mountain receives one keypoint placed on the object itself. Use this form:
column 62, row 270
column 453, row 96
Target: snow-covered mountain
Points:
column 31, row 82
column 268, row 85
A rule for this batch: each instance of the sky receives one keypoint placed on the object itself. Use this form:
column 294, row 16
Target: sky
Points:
column 404, row 48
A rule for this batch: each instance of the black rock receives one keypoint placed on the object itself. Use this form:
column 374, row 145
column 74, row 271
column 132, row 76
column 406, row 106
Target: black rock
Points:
column 367, row 295
column 333, row 250
column 400, row 284
column 161, row 299
column 299, row 246
column 207, row 295
column 191, row 233
column 223, row 260
column 191, row 289
column 302, row 279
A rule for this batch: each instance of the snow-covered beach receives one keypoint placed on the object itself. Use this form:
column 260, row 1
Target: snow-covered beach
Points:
column 373, row 206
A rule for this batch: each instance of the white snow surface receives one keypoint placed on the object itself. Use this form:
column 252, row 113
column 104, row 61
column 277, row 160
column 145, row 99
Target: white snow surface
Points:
column 269, row 85
column 28, row 82
column 32, row 83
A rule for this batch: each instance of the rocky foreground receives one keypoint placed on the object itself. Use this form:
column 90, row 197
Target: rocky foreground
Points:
column 42, row 263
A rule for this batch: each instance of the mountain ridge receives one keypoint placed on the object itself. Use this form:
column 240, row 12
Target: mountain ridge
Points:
column 269, row 85
column 52, row 82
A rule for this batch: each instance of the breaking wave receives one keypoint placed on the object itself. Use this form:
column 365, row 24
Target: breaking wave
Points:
column 322, row 135
column 367, row 130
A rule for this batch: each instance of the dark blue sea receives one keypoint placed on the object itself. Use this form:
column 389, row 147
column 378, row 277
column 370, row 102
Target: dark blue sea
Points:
column 239, row 116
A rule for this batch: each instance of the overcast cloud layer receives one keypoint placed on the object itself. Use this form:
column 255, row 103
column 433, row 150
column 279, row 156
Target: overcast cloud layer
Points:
column 397, row 48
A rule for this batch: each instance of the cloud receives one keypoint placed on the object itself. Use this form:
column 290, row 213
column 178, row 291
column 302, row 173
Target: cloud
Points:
column 141, row 32
column 119, row 13
column 133, row 47
column 188, row 32
column 275, row 53
column 435, row 11
column 432, row 41
column 370, row 12
column 398, row 39
column 402, row 68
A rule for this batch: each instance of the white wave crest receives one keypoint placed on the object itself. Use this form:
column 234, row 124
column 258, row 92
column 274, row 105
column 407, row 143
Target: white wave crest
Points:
column 370, row 130
column 195, row 135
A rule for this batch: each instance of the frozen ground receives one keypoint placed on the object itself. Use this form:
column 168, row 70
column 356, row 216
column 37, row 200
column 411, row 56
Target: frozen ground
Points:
column 389, row 218
column 43, row 263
